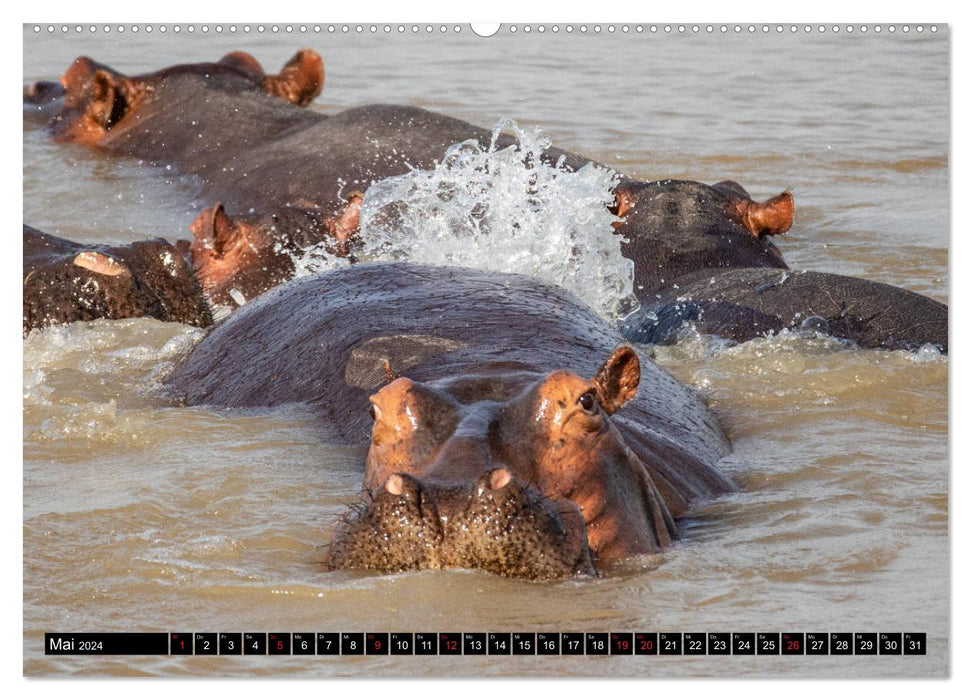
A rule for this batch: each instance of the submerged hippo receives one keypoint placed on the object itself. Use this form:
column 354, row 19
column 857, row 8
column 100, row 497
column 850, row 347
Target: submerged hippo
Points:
column 66, row 281
column 510, row 428
column 728, row 282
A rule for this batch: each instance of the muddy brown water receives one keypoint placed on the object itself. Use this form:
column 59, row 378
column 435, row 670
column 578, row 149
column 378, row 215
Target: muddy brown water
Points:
column 141, row 515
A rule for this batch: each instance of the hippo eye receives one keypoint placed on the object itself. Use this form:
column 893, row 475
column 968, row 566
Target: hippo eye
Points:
column 588, row 402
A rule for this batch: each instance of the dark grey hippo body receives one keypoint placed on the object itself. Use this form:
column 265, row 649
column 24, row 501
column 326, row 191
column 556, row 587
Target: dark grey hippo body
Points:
column 66, row 281
column 481, row 347
column 745, row 303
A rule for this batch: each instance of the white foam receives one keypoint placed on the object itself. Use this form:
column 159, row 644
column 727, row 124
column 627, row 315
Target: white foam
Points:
column 503, row 210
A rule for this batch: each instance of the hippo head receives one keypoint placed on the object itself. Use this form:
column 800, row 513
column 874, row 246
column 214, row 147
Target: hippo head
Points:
column 504, row 470
column 66, row 282
column 237, row 259
column 675, row 228
column 97, row 98
column 93, row 101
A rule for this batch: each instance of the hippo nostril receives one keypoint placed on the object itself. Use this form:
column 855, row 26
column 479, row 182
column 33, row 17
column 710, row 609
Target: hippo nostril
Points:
column 395, row 484
column 492, row 480
column 499, row 478
column 403, row 484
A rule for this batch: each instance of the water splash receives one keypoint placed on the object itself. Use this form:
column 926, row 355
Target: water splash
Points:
column 316, row 259
column 502, row 209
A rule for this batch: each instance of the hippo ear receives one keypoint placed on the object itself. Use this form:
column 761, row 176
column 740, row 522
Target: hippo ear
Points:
column 617, row 380
column 769, row 218
column 94, row 88
column 104, row 106
column 300, row 80
column 214, row 229
column 346, row 223
column 78, row 74
column 624, row 200
column 101, row 263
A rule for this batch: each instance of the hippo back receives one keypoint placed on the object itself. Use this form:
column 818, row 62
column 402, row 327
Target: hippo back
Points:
column 322, row 160
column 184, row 121
column 747, row 303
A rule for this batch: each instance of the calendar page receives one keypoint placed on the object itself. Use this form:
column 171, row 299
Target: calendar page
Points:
column 451, row 350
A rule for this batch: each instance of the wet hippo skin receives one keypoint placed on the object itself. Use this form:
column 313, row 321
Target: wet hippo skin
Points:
column 745, row 303
column 66, row 281
column 510, row 428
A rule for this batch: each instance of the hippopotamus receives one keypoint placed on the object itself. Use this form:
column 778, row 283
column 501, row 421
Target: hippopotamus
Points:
column 108, row 94
column 66, row 281
column 282, row 180
column 724, row 275
column 510, row 429
column 673, row 228
column 105, row 108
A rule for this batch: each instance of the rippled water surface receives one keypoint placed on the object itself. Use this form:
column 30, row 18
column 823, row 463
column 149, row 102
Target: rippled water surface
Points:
column 143, row 515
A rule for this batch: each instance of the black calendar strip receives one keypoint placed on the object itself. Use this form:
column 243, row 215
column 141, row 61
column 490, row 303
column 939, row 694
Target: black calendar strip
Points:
column 487, row 643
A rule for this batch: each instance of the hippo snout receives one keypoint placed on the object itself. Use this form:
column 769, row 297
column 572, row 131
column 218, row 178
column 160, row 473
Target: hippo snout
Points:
column 496, row 523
